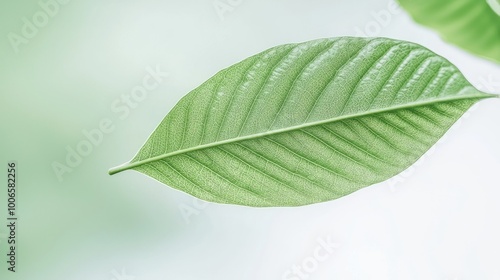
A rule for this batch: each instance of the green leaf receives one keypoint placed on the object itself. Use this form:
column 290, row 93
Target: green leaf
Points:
column 305, row 123
column 495, row 5
column 473, row 25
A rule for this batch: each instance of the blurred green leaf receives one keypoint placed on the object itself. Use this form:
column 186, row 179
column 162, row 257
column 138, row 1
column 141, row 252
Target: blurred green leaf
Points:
column 470, row 24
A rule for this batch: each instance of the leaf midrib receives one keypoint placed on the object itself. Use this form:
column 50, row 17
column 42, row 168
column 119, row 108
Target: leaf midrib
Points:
column 459, row 96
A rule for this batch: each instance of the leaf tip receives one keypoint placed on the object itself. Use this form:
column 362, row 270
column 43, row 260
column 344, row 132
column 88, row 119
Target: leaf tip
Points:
column 492, row 95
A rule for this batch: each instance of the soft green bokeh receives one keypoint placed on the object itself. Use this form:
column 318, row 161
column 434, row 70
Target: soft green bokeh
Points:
column 62, row 81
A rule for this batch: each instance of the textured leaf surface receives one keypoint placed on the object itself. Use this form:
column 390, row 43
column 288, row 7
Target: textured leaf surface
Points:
column 473, row 25
column 304, row 123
